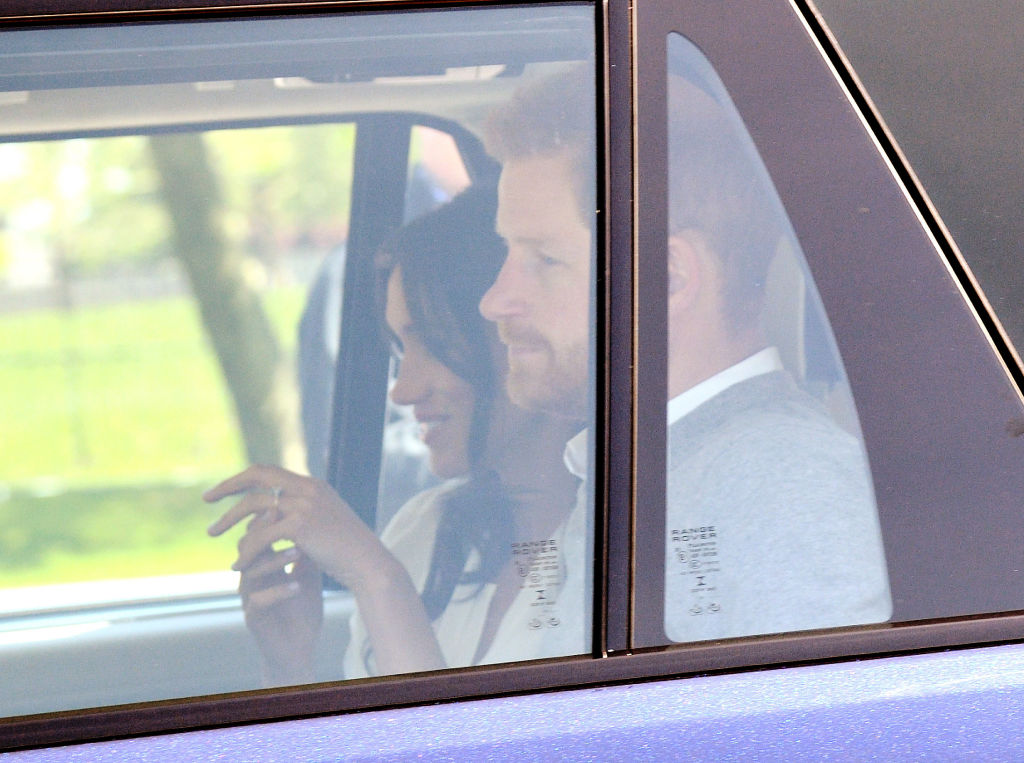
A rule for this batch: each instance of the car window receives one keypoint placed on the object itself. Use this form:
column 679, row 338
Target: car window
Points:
column 212, row 250
column 883, row 349
column 765, row 463
column 157, row 337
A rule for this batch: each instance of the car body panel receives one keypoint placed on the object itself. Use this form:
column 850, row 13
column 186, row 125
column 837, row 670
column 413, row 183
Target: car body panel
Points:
column 964, row 704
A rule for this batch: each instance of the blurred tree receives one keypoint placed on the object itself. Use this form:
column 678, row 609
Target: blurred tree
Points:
column 243, row 339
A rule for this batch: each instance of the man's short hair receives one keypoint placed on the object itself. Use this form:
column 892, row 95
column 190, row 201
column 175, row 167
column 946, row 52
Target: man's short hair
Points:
column 717, row 188
column 552, row 115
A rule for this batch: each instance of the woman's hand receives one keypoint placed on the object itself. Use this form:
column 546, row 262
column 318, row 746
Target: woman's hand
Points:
column 285, row 506
column 307, row 512
column 282, row 599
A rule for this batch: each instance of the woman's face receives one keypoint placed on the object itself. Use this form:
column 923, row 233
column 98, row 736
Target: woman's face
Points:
column 442, row 402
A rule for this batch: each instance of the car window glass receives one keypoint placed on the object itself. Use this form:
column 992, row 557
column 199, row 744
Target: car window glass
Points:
column 771, row 523
column 158, row 334
column 936, row 403
column 214, row 238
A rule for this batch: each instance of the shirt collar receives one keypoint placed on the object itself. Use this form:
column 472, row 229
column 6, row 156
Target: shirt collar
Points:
column 763, row 362
column 576, row 454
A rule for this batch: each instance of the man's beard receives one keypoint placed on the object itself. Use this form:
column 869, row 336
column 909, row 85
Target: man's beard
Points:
column 548, row 381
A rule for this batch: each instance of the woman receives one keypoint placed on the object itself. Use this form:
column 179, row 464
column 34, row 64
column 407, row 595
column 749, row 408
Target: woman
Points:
column 446, row 584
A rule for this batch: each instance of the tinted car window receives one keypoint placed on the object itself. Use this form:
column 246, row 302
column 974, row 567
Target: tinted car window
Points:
column 936, row 406
column 216, row 238
column 771, row 523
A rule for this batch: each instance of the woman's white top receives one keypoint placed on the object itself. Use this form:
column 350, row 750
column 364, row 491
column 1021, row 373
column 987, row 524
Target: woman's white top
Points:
column 547, row 618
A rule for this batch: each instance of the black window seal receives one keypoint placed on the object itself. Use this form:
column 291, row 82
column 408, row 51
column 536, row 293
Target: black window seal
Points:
column 614, row 473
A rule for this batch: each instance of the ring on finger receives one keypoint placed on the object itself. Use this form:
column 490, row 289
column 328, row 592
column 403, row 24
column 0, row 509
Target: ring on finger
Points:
column 276, row 491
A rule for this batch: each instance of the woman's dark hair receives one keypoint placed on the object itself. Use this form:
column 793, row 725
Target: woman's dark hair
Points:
column 447, row 259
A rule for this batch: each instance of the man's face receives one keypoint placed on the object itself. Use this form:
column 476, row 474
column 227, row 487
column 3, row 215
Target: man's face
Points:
column 541, row 298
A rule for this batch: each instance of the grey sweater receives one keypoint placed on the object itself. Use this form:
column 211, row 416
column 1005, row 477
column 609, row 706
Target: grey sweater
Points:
column 771, row 523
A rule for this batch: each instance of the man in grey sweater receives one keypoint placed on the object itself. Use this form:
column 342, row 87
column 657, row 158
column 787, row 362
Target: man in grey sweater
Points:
column 771, row 524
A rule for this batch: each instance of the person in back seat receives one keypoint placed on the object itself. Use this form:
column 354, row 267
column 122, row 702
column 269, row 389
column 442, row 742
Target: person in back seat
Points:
column 770, row 516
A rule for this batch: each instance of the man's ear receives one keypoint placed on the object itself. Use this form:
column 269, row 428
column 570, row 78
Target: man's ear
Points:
column 684, row 269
